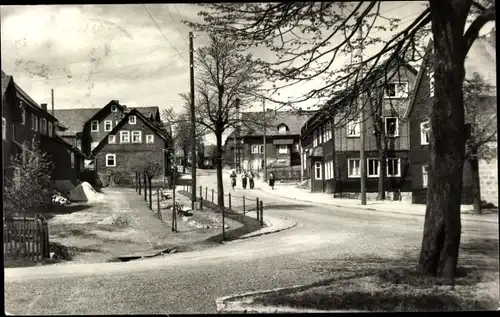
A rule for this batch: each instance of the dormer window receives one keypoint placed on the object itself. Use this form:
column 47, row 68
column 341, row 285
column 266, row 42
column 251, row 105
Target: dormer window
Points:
column 131, row 120
column 396, row 90
column 282, row 128
column 113, row 108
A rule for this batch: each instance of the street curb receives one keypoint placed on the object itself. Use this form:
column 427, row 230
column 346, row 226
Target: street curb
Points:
column 237, row 306
column 294, row 223
column 372, row 209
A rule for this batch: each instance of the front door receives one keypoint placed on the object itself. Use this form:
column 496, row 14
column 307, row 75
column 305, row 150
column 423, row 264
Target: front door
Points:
column 317, row 176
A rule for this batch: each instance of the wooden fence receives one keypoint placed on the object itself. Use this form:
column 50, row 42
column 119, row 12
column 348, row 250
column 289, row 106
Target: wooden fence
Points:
column 27, row 239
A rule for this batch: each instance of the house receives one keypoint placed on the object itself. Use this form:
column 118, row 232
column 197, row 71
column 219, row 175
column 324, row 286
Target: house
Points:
column 209, row 158
column 331, row 138
column 126, row 143
column 23, row 120
column 282, row 140
column 480, row 59
column 86, row 128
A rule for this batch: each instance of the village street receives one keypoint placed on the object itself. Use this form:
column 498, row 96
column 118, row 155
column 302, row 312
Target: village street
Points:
column 326, row 241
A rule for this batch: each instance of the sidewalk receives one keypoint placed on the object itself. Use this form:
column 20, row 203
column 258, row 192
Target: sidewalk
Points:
column 272, row 225
column 292, row 192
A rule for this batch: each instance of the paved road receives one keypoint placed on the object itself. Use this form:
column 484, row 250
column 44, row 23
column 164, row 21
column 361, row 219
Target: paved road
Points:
column 190, row 282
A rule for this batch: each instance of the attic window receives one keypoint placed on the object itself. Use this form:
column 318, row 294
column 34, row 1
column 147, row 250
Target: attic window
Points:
column 131, row 120
column 94, row 126
column 282, row 128
column 396, row 90
column 113, row 108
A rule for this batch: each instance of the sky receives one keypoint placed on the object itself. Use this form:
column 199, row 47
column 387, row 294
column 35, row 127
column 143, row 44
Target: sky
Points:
column 91, row 54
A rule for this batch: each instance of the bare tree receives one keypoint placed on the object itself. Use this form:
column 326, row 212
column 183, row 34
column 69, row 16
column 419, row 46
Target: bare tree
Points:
column 225, row 80
column 481, row 114
column 288, row 27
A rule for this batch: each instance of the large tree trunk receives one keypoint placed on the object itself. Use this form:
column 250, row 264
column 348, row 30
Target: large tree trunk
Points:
column 442, row 228
column 381, row 177
column 184, row 160
column 218, row 165
column 476, row 186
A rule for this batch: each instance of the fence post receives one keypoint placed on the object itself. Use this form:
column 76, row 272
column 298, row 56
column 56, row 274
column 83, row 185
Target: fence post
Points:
column 261, row 213
column 229, row 200
column 243, row 204
column 212, row 195
column 223, row 225
column 150, row 195
column 158, row 202
column 206, row 192
column 145, row 187
column 201, row 191
column 257, row 208
column 201, row 203
column 139, row 178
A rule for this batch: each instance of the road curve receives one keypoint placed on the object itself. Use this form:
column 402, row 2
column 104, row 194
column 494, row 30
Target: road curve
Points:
column 190, row 282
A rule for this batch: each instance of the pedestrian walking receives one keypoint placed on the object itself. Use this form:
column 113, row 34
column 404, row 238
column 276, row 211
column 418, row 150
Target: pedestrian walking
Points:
column 271, row 180
column 244, row 177
column 233, row 178
column 251, row 176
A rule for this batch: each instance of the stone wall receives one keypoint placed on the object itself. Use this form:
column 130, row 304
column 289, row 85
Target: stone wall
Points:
column 488, row 176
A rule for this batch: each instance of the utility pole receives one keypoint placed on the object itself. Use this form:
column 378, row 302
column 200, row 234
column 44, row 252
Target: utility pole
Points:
column 264, row 140
column 236, row 137
column 362, row 125
column 52, row 95
column 193, row 123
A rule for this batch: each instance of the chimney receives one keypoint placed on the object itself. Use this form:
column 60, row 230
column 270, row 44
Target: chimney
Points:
column 44, row 106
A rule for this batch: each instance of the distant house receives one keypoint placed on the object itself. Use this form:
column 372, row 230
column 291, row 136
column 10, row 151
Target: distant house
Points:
column 282, row 140
column 23, row 120
column 130, row 138
column 480, row 59
column 209, row 155
column 86, row 128
column 331, row 140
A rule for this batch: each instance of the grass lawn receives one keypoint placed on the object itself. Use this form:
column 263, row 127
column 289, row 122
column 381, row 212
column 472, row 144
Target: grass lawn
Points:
column 385, row 285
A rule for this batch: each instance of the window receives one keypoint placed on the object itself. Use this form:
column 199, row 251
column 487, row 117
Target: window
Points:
column 391, row 127
column 32, row 121
column 304, row 161
column 282, row 128
column 354, row 166
column 353, row 128
column 4, row 128
column 110, row 160
column 93, row 145
column 150, row 138
column 431, row 84
column 112, row 139
column 425, row 175
column 317, row 169
column 36, row 123
column 315, row 138
column 23, row 116
column 328, row 132
column 131, row 120
column 94, row 126
column 72, row 160
column 44, row 126
column 425, row 128
column 373, row 167
column 108, row 125
column 136, row 136
column 396, row 90
column 393, row 167
column 282, row 149
column 329, row 169
column 113, row 108
column 124, row 136
column 51, row 131
column 256, row 149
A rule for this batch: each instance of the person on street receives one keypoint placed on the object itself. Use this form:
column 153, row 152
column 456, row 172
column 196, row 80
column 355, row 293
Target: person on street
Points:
column 244, row 179
column 271, row 180
column 233, row 178
column 250, row 179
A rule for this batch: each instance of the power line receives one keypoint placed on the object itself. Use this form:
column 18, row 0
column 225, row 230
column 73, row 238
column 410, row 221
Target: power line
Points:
column 159, row 29
column 172, row 18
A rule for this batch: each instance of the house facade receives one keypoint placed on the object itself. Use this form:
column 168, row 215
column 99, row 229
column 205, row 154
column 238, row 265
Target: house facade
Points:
column 282, row 140
column 23, row 121
column 126, row 143
column 331, row 141
column 481, row 60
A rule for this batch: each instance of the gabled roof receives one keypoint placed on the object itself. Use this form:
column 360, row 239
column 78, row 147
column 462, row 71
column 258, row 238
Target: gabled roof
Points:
column 292, row 119
column 125, row 120
column 480, row 59
column 75, row 119
column 71, row 146
column 6, row 80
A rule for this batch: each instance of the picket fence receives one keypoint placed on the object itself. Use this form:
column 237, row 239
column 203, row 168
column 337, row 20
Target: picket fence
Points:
column 26, row 239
